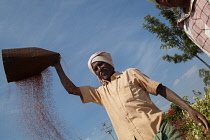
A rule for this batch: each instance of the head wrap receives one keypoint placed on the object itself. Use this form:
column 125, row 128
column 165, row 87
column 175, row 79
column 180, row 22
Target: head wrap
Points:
column 100, row 56
column 153, row 1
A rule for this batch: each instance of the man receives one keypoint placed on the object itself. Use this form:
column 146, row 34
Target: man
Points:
column 126, row 99
column 194, row 18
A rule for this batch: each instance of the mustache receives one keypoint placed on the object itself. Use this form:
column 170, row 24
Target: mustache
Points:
column 102, row 70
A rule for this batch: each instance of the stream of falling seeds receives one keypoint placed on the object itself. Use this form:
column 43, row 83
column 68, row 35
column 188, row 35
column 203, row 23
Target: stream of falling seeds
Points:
column 37, row 109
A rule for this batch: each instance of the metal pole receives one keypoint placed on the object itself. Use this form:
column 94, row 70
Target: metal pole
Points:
column 107, row 130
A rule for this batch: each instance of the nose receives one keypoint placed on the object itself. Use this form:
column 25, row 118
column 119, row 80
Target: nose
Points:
column 99, row 68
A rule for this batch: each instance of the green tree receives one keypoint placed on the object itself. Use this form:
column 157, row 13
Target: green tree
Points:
column 172, row 36
column 205, row 74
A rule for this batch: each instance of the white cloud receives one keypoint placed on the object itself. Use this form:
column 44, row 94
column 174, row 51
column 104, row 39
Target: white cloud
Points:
column 157, row 102
column 176, row 82
column 187, row 74
column 191, row 71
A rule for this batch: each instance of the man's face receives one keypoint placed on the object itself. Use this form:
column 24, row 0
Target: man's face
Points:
column 170, row 3
column 103, row 70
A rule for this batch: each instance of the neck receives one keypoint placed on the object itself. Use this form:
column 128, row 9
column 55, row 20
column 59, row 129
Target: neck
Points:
column 111, row 76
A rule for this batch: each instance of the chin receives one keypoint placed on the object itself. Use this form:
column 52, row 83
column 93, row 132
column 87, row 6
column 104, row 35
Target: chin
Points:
column 105, row 78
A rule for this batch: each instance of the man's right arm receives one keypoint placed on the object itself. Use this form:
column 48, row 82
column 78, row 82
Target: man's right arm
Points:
column 66, row 82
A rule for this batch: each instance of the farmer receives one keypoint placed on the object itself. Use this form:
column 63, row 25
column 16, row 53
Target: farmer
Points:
column 126, row 99
column 194, row 18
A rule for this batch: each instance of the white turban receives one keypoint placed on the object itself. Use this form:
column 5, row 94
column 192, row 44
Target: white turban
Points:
column 100, row 56
column 153, row 1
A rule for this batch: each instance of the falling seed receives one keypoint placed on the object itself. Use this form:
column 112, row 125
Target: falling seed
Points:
column 38, row 114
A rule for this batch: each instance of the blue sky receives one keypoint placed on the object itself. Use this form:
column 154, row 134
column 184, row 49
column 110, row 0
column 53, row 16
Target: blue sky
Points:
column 76, row 29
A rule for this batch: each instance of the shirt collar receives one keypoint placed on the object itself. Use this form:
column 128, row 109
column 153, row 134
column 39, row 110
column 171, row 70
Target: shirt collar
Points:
column 183, row 15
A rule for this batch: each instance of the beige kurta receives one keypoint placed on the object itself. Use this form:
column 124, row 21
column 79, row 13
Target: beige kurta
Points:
column 128, row 104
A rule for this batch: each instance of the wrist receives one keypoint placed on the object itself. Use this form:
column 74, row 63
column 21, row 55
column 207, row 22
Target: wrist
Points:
column 57, row 66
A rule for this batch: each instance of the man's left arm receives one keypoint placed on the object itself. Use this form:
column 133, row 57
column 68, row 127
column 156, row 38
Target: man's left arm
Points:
column 174, row 98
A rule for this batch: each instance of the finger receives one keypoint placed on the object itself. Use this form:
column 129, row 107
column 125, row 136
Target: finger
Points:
column 204, row 130
column 197, row 120
column 204, row 122
column 200, row 119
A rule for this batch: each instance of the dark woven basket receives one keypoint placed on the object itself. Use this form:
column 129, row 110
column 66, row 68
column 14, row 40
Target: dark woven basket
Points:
column 21, row 63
